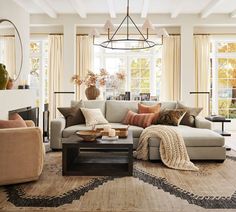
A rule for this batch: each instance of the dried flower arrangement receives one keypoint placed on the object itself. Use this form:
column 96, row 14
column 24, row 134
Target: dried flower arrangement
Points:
column 92, row 79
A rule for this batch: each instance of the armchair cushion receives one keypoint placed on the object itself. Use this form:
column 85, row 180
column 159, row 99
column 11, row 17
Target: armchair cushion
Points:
column 15, row 122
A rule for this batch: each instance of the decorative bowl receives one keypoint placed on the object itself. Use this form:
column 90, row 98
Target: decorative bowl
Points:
column 88, row 135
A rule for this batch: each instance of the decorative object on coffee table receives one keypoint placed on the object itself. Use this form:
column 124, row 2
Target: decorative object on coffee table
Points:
column 88, row 135
column 3, row 77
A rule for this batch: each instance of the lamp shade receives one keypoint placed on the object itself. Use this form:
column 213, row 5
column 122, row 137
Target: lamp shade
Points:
column 94, row 33
column 147, row 25
column 162, row 32
column 109, row 25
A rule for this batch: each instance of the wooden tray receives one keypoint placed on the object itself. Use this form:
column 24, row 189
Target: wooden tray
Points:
column 120, row 132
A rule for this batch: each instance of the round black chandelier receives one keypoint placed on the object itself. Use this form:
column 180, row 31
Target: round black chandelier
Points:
column 128, row 41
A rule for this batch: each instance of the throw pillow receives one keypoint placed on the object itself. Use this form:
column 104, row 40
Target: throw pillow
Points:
column 191, row 113
column 73, row 115
column 15, row 121
column 171, row 117
column 150, row 109
column 142, row 120
column 93, row 116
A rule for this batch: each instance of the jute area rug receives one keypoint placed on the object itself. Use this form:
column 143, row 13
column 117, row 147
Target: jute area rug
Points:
column 153, row 187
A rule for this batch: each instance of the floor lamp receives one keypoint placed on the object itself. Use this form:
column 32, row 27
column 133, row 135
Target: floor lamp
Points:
column 203, row 92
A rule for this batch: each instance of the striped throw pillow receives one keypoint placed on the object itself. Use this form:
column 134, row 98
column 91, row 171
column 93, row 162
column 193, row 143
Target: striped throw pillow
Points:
column 142, row 120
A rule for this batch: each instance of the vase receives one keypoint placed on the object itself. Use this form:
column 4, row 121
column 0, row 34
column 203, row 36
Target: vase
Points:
column 92, row 92
column 3, row 77
column 10, row 84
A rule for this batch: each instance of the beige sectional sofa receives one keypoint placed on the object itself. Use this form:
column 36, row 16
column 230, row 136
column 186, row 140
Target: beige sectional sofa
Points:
column 202, row 143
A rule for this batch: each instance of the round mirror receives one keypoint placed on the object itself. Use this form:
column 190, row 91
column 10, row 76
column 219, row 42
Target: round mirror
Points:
column 11, row 49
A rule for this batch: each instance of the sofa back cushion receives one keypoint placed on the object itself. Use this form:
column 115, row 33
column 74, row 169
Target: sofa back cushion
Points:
column 116, row 110
column 164, row 105
column 93, row 104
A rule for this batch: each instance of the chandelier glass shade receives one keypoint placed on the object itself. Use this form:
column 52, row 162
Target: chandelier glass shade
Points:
column 128, row 41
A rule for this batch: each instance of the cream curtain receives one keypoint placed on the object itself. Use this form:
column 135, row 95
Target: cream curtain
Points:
column 9, row 55
column 170, row 83
column 202, row 73
column 55, row 71
column 84, row 61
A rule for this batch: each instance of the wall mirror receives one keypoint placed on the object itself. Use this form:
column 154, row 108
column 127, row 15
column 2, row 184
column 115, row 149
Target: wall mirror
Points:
column 11, row 49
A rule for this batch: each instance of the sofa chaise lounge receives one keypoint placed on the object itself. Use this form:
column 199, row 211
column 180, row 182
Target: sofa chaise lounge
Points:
column 201, row 142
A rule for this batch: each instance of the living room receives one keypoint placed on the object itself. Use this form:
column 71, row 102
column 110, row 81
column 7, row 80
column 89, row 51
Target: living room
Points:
column 125, row 105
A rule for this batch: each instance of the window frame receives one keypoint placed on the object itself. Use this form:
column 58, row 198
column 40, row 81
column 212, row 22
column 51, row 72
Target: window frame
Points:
column 152, row 55
column 215, row 56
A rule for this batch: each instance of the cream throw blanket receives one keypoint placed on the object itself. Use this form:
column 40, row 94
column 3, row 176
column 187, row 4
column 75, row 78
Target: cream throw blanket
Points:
column 172, row 147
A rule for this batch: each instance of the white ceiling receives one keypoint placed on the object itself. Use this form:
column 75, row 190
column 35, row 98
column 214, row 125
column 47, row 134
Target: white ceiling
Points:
column 143, row 7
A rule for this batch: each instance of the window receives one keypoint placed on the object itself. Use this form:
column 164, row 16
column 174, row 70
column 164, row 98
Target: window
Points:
column 142, row 70
column 39, row 69
column 223, row 77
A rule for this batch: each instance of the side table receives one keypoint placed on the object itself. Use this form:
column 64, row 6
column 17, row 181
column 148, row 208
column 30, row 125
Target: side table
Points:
column 222, row 131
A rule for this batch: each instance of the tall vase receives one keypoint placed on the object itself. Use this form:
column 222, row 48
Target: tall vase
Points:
column 3, row 77
column 92, row 92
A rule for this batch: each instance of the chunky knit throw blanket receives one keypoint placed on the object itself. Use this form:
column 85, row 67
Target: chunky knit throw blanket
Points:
column 173, row 151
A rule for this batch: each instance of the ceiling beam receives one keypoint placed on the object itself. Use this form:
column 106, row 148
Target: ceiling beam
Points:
column 79, row 7
column 46, row 8
column 233, row 14
column 111, row 7
column 175, row 13
column 145, row 8
column 22, row 4
column 210, row 7
column 178, row 9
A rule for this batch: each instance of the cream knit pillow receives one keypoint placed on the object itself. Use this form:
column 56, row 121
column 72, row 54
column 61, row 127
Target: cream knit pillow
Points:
column 93, row 116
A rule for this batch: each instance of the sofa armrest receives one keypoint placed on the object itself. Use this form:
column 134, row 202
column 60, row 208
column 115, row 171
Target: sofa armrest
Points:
column 21, row 154
column 201, row 122
column 57, row 126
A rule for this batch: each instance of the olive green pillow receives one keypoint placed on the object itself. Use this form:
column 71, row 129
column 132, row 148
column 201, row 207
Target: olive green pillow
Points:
column 191, row 113
column 171, row 117
column 73, row 115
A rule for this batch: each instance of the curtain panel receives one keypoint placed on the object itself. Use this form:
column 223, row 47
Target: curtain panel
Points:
column 84, row 61
column 202, row 71
column 9, row 58
column 171, row 69
column 55, row 71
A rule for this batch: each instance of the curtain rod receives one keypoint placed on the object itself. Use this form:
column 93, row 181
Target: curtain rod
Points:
column 86, row 34
column 7, row 36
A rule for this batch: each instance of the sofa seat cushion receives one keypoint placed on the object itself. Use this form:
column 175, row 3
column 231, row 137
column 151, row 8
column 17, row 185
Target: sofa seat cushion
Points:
column 194, row 137
column 67, row 132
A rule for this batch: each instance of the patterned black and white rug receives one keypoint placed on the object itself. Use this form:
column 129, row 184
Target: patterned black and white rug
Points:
column 153, row 187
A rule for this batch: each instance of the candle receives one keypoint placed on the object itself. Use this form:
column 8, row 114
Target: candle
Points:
column 107, row 128
column 112, row 133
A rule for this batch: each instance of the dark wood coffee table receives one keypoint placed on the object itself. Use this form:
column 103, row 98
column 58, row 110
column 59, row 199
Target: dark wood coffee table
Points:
column 98, row 158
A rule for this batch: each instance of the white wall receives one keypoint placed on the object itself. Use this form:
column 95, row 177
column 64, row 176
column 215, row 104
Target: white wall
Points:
column 10, row 10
